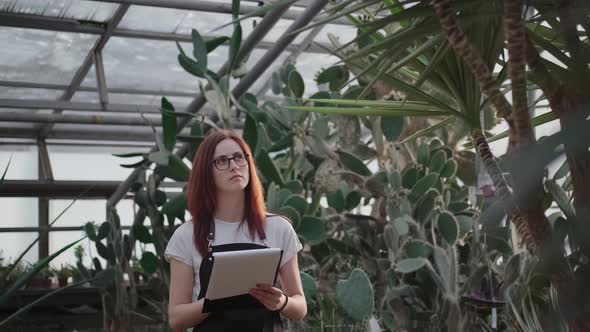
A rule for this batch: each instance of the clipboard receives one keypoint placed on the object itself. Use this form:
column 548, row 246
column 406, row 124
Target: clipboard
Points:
column 234, row 273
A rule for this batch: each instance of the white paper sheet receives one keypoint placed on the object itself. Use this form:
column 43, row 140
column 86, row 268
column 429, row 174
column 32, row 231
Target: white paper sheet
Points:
column 236, row 272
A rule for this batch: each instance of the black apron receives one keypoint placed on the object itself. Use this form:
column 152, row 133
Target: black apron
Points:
column 228, row 314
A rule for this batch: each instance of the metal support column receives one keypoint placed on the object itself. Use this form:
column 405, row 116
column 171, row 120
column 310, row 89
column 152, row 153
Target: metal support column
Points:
column 101, row 81
column 45, row 174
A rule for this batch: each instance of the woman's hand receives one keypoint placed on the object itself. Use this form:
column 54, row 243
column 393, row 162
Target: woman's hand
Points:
column 271, row 297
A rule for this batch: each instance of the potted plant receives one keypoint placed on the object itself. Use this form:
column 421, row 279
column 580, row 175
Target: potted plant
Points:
column 62, row 274
column 40, row 280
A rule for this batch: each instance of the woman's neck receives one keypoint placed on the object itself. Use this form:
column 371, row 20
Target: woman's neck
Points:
column 230, row 206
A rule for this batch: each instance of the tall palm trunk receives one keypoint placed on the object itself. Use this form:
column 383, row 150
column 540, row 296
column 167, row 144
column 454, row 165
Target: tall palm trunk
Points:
column 528, row 186
column 510, row 207
column 458, row 40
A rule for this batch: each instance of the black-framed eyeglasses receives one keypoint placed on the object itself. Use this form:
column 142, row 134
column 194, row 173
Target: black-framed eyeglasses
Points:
column 222, row 163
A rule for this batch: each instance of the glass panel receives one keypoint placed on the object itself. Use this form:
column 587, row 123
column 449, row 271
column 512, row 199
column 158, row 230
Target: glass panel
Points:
column 19, row 212
column 183, row 21
column 24, row 163
column 42, row 56
column 90, row 163
column 68, row 9
column 28, row 93
column 13, row 244
column 79, row 213
column 58, row 240
column 344, row 33
column 125, row 212
column 149, row 64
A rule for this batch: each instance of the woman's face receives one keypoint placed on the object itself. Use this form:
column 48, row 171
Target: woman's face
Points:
column 230, row 166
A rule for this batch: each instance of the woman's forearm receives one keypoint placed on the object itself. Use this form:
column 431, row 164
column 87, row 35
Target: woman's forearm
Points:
column 296, row 308
column 184, row 316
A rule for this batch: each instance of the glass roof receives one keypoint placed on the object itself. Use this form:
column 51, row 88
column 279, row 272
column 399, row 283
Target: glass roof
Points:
column 68, row 9
column 50, row 40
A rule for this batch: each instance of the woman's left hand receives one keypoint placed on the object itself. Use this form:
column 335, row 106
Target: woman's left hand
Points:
column 271, row 297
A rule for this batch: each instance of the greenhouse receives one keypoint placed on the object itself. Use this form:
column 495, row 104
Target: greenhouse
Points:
column 398, row 165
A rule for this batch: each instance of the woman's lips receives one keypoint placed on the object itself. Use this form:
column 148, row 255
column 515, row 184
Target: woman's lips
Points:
column 234, row 177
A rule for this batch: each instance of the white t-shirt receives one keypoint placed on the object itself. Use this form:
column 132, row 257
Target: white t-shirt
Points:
column 279, row 234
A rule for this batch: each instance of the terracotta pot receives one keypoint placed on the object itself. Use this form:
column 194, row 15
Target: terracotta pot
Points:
column 62, row 282
column 37, row 283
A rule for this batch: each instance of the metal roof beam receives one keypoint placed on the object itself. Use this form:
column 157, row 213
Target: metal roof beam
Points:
column 76, row 106
column 217, row 7
column 75, row 26
column 79, row 119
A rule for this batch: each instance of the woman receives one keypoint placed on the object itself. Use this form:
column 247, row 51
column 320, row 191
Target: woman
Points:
column 226, row 203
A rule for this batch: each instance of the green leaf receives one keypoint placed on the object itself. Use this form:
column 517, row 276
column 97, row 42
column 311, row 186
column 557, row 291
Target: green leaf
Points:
column 176, row 170
column 423, row 185
column 129, row 155
column 159, row 157
column 103, row 230
column 298, row 203
column 250, row 134
column 105, row 252
column 335, row 77
column 141, row 233
column 295, row 186
column 437, row 161
column 22, row 280
column 355, row 295
column 465, row 223
column 190, row 66
column 268, row 168
column 199, row 50
column 418, row 248
column 562, row 172
column 448, row 227
column 402, row 224
column 353, row 163
column 168, row 124
column 296, row 84
column 215, row 42
column 443, row 265
column 428, row 130
column 423, row 154
column 175, row 207
column 336, row 200
column 90, row 231
column 312, row 230
column 291, row 213
column 392, row 128
column 310, row 288
column 367, row 111
column 149, row 262
column 410, row 265
column 353, row 199
column 561, row 198
column 235, row 8
column 409, row 177
column 449, row 169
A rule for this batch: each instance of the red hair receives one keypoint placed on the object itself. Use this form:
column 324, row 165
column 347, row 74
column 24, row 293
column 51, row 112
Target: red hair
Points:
column 201, row 191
